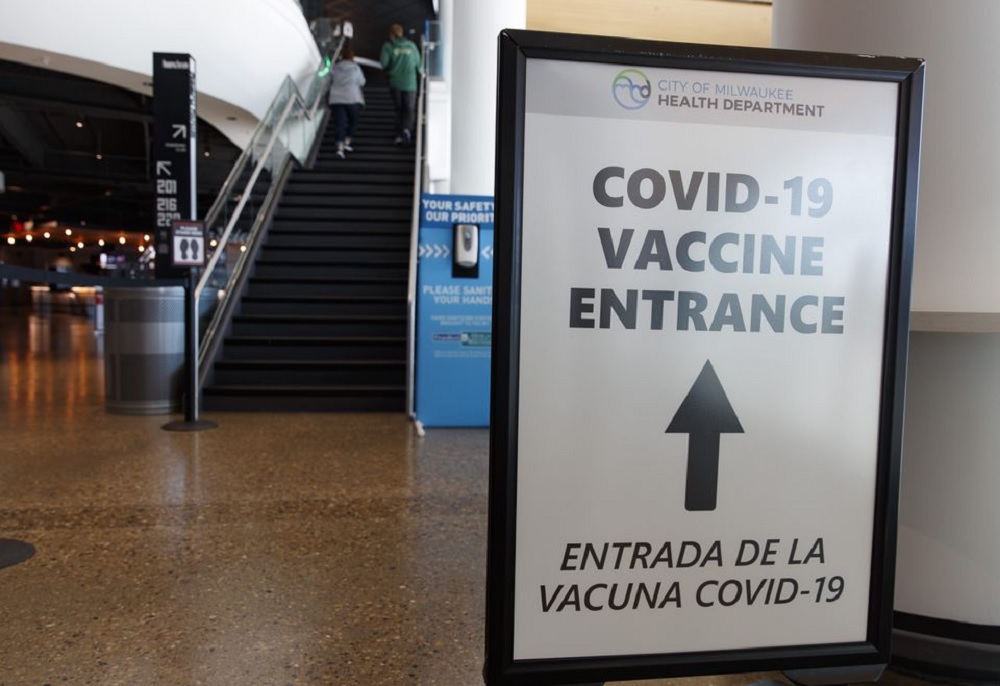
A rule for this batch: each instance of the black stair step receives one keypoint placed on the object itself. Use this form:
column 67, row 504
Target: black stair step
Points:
column 376, row 112
column 328, row 286
column 335, row 203
column 331, row 227
column 331, row 159
column 323, row 305
column 377, row 108
column 366, row 143
column 383, row 148
column 374, row 134
column 340, row 270
column 298, row 399
column 367, row 173
column 374, row 122
column 341, row 176
column 335, row 188
column 375, row 252
column 347, row 214
column 375, row 147
column 321, row 240
column 335, row 260
column 382, row 168
column 384, row 138
column 306, row 325
column 314, row 348
column 310, row 373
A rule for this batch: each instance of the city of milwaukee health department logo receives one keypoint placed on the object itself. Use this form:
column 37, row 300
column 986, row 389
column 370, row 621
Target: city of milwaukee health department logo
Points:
column 631, row 89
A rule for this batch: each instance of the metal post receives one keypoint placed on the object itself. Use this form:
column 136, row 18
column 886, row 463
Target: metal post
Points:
column 191, row 422
column 191, row 346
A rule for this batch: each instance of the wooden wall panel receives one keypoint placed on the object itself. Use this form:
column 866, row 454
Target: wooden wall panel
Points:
column 692, row 21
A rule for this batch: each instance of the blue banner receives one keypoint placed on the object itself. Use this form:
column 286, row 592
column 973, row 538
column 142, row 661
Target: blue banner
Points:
column 454, row 310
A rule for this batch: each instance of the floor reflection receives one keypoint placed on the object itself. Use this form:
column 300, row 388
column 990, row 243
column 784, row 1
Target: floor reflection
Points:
column 51, row 367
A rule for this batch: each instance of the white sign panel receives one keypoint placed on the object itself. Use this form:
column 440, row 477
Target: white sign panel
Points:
column 704, row 283
column 188, row 240
column 726, row 278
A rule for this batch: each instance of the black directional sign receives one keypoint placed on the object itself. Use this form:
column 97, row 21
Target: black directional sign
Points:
column 175, row 116
column 700, row 315
column 705, row 414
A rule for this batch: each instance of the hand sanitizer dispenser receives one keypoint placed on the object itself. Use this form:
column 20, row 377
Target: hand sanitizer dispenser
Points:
column 466, row 245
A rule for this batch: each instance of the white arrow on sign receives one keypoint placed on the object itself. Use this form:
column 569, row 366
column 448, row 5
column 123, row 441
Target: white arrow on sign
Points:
column 434, row 250
column 163, row 167
column 180, row 131
column 487, row 252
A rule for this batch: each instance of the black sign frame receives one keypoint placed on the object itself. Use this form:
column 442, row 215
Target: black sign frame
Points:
column 516, row 47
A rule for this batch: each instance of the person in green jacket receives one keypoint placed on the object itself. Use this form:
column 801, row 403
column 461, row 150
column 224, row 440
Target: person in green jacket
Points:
column 401, row 62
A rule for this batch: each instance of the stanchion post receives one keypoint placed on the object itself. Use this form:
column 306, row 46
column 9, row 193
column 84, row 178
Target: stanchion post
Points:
column 191, row 407
column 191, row 330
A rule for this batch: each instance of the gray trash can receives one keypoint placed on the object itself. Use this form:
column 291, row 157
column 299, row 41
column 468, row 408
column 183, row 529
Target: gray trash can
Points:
column 143, row 349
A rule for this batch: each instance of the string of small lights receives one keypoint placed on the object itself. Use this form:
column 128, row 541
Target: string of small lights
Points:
column 78, row 238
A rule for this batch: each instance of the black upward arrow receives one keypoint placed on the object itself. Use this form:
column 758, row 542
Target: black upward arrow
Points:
column 705, row 414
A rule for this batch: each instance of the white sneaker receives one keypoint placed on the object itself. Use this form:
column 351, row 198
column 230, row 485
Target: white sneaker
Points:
column 341, row 155
column 348, row 148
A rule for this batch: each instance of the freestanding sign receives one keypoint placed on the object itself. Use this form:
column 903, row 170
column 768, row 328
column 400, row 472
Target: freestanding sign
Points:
column 175, row 118
column 454, row 308
column 700, row 314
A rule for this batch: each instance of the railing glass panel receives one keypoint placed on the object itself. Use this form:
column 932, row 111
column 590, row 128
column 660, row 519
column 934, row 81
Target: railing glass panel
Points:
column 284, row 136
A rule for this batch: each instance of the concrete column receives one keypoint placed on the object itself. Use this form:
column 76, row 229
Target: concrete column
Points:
column 473, row 34
column 948, row 560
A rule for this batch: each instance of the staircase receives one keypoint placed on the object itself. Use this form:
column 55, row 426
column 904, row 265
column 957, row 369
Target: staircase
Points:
column 322, row 324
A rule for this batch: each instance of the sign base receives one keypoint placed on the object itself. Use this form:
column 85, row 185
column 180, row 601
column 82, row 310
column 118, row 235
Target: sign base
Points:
column 201, row 425
column 14, row 552
column 835, row 676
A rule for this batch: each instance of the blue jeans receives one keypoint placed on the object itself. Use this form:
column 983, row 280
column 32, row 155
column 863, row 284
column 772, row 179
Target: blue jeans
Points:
column 345, row 120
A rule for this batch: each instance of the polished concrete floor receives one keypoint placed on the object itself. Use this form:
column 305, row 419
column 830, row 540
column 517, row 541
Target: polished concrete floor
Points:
column 276, row 549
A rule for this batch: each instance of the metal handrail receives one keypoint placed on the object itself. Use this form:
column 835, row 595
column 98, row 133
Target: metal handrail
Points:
column 244, row 197
column 419, row 183
column 290, row 103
